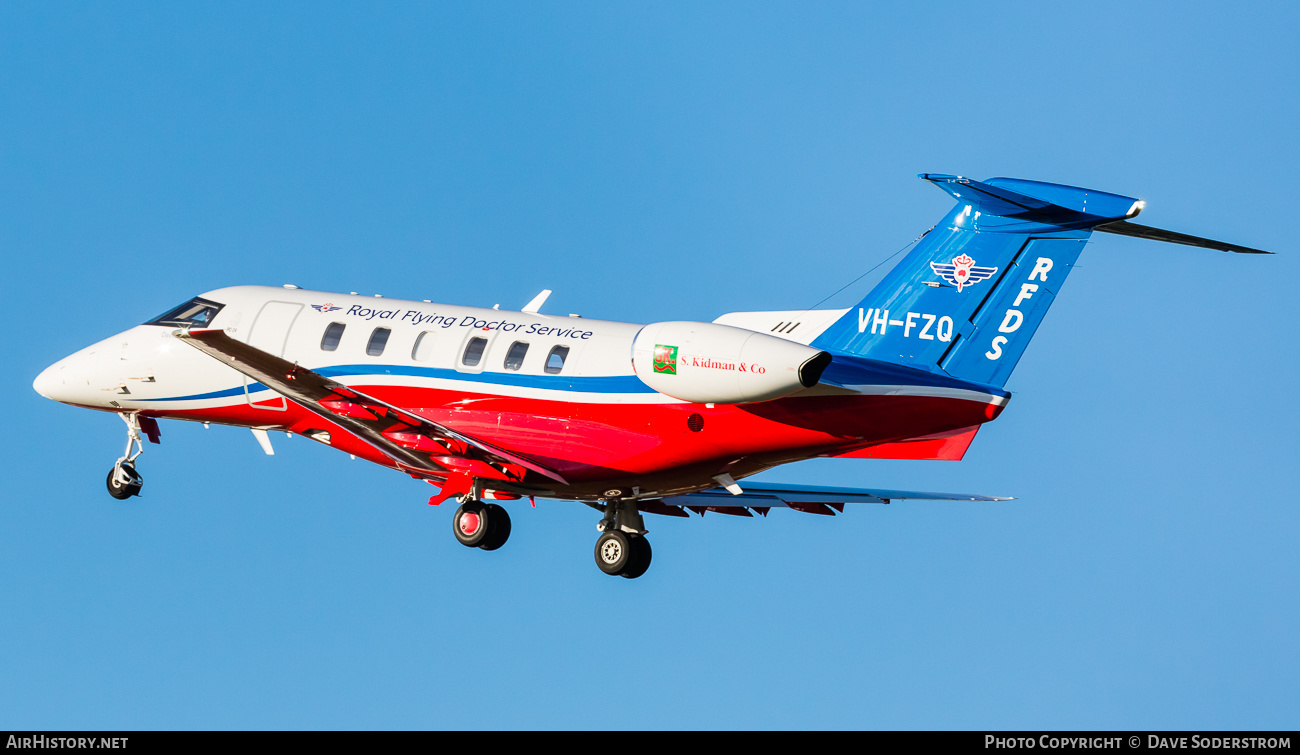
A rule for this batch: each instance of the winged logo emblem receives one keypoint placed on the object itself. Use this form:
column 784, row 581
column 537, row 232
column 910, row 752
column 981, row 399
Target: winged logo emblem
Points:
column 325, row 307
column 962, row 271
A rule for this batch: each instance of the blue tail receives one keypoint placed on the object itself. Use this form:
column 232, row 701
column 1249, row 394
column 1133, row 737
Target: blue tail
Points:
column 969, row 297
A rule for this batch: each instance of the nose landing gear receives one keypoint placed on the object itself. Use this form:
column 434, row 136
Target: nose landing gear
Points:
column 123, row 481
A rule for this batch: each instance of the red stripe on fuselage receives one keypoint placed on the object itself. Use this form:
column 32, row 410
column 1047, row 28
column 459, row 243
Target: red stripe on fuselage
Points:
column 600, row 441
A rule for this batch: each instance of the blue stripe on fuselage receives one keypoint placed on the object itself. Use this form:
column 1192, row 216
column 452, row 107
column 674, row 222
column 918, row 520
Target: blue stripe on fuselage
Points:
column 228, row 392
column 844, row 370
column 604, row 384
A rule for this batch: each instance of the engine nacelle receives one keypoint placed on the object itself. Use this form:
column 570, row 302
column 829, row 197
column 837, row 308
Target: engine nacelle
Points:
column 717, row 364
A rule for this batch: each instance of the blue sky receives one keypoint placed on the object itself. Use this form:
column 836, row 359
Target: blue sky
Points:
column 652, row 162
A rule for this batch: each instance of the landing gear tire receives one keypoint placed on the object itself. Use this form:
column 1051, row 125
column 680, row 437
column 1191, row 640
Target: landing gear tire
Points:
column 498, row 526
column 471, row 524
column 640, row 558
column 120, row 488
column 621, row 554
column 613, row 552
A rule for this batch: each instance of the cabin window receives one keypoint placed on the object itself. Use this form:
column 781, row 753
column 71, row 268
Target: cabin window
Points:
column 473, row 352
column 333, row 334
column 378, row 340
column 197, row 312
column 423, row 348
column 555, row 360
column 515, row 357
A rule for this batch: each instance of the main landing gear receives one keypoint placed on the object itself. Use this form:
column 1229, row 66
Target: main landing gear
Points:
column 622, row 549
column 481, row 525
column 123, row 481
column 621, row 554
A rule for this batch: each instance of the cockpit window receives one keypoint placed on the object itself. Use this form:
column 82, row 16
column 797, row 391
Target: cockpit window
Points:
column 197, row 312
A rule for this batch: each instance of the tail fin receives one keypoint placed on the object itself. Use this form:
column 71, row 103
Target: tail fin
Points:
column 968, row 298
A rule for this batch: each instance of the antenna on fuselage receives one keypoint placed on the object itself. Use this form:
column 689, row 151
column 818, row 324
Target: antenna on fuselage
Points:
column 534, row 306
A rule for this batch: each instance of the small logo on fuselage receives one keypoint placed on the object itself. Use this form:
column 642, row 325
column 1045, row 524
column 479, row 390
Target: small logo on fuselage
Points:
column 962, row 271
column 665, row 359
column 324, row 307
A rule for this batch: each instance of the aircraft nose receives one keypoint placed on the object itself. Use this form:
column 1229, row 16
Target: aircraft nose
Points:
column 96, row 375
column 50, row 382
column 68, row 380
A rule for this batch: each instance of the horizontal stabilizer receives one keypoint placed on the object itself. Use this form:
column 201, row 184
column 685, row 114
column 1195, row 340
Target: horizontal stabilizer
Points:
column 1037, row 201
column 1125, row 228
column 967, row 299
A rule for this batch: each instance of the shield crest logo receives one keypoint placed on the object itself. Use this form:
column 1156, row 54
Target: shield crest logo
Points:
column 962, row 271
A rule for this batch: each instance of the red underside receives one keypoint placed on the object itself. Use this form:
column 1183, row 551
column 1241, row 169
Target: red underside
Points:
column 600, row 441
column 948, row 447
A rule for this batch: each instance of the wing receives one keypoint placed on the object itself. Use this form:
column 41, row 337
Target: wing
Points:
column 810, row 499
column 415, row 443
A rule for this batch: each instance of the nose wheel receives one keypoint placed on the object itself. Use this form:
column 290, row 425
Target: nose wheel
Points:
column 124, row 481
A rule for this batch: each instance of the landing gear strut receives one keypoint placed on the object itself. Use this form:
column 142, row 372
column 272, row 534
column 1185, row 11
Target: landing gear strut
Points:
column 481, row 525
column 123, row 481
column 622, row 549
